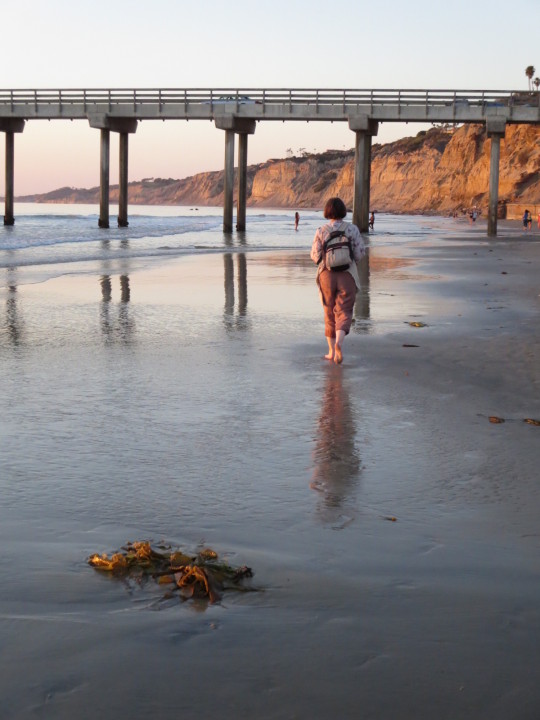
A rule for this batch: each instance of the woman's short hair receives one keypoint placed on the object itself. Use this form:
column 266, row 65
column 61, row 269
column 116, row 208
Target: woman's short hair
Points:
column 335, row 209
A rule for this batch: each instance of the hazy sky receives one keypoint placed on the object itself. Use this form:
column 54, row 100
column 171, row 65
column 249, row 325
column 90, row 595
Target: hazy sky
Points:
column 478, row 44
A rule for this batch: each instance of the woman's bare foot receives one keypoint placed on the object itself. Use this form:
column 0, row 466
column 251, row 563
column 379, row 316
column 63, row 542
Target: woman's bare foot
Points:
column 331, row 345
column 338, row 356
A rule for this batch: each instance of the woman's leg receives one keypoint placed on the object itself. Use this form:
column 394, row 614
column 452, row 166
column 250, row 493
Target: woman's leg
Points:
column 327, row 285
column 343, row 310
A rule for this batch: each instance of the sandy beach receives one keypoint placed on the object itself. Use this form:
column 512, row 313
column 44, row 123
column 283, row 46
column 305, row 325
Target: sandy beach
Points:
column 392, row 528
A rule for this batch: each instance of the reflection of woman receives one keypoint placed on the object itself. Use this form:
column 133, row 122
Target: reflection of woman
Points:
column 337, row 287
column 336, row 459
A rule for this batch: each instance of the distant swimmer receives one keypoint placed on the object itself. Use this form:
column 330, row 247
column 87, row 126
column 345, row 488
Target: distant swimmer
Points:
column 296, row 220
column 372, row 220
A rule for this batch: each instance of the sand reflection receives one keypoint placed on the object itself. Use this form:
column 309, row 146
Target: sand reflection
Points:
column 336, row 457
column 117, row 324
column 361, row 313
column 13, row 321
column 235, row 316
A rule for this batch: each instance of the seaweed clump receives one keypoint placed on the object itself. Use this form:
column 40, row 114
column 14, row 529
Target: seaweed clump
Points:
column 202, row 575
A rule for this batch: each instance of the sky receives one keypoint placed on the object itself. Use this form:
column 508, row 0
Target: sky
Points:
column 353, row 44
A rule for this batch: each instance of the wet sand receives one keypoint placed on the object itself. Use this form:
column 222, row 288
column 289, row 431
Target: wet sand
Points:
column 148, row 403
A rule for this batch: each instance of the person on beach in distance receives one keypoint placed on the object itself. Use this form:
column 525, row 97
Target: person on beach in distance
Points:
column 337, row 287
column 296, row 219
column 372, row 220
column 526, row 216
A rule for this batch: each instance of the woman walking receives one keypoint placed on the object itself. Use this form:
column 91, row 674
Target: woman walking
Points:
column 337, row 284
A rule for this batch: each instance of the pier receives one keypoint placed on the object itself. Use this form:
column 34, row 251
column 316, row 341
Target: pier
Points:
column 237, row 112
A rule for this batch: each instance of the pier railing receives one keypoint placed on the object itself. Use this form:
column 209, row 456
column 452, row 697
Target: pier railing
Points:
column 273, row 103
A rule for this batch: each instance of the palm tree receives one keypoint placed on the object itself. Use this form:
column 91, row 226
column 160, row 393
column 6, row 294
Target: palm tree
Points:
column 536, row 83
column 529, row 72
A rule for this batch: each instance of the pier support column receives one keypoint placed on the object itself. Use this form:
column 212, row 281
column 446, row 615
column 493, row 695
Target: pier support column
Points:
column 228, row 182
column 242, row 182
column 105, row 144
column 123, row 182
column 364, row 129
column 123, row 126
column 10, row 126
column 496, row 128
column 244, row 127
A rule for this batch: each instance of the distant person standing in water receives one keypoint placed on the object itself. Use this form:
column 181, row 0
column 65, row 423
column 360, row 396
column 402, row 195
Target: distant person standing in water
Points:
column 338, row 285
column 539, row 218
column 526, row 215
column 372, row 220
column 296, row 219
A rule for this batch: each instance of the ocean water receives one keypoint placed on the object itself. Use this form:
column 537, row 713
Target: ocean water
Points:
column 51, row 239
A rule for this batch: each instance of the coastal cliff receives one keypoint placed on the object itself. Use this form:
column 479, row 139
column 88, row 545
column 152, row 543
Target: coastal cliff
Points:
column 438, row 171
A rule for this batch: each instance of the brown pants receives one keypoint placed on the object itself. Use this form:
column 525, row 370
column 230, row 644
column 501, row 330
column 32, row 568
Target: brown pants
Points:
column 338, row 291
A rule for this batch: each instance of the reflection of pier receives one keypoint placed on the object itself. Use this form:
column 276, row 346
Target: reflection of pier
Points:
column 235, row 320
column 362, row 303
column 13, row 319
column 121, row 328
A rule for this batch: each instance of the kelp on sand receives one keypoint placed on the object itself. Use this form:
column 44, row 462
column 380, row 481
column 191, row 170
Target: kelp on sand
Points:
column 202, row 575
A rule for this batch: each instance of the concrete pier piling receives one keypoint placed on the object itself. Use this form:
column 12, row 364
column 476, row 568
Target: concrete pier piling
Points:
column 9, row 218
column 364, row 128
column 124, row 126
column 495, row 130
column 242, row 182
column 228, row 182
column 10, row 126
column 243, row 127
column 104, row 157
column 123, row 181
